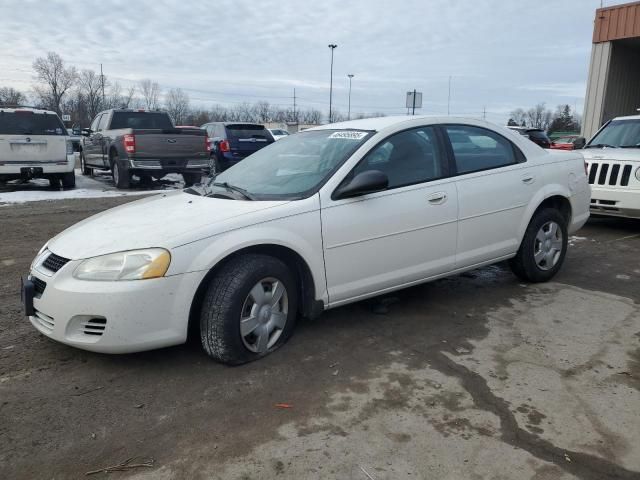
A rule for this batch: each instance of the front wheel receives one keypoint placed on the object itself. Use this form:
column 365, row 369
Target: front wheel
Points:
column 83, row 166
column 249, row 309
column 543, row 247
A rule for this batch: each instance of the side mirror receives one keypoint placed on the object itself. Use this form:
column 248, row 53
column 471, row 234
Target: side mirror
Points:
column 85, row 132
column 366, row 182
column 579, row 143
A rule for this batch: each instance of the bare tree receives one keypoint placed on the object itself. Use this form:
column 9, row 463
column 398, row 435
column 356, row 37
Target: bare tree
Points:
column 177, row 104
column 90, row 88
column 11, row 96
column 539, row 116
column 150, row 94
column 263, row 112
column 55, row 78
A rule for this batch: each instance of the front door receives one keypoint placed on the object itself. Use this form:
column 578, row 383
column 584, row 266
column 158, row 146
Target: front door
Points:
column 404, row 234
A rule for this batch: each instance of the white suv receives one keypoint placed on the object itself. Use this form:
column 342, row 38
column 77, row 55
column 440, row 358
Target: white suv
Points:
column 35, row 144
column 613, row 158
column 329, row 216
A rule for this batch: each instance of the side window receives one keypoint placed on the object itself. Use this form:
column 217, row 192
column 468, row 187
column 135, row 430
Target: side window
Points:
column 103, row 122
column 94, row 124
column 408, row 157
column 476, row 148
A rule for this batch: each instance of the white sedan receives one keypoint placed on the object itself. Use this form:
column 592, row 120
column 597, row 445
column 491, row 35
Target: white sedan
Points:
column 326, row 217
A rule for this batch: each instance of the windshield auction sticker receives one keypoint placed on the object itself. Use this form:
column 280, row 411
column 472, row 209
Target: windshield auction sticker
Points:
column 349, row 135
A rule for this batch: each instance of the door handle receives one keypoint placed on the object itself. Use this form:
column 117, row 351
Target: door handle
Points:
column 437, row 198
column 528, row 179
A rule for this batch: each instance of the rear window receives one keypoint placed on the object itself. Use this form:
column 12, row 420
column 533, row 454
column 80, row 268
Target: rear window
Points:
column 538, row 134
column 29, row 123
column 140, row 120
column 248, row 132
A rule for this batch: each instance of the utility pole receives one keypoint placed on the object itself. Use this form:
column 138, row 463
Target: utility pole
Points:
column 295, row 117
column 102, row 83
column 449, row 98
column 332, row 46
column 349, row 114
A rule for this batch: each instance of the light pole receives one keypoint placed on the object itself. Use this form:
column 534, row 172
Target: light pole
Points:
column 332, row 46
column 349, row 114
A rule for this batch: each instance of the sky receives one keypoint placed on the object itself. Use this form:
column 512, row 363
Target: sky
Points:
column 499, row 54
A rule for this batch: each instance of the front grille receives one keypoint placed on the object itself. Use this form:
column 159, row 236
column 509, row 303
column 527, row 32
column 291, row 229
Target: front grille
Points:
column 609, row 173
column 54, row 262
column 94, row 326
column 39, row 285
column 45, row 321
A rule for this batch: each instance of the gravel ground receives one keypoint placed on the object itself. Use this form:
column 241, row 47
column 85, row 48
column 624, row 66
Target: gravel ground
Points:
column 477, row 376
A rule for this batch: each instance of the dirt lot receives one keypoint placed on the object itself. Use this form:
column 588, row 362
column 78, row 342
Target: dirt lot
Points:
column 478, row 376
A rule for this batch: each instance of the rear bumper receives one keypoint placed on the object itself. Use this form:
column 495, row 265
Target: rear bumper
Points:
column 617, row 202
column 36, row 168
column 169, row 165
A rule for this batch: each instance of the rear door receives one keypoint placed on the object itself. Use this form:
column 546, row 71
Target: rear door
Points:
column 245, row 139
column 30, row 138
column 495, row 184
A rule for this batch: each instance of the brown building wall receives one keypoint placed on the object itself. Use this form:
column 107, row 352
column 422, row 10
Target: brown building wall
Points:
column 617, row 22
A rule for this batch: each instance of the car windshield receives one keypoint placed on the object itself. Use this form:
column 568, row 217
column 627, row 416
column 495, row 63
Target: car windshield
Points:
column 293, row 167
column 618, row 133
column 29, row 123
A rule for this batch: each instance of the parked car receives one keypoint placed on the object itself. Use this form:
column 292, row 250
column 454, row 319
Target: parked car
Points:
column 536, row 135
column 568, row 142
column 232, row 142
column 143, row 143
column 35, row 144
column 333, row 215
column 613, row 160
column 278, row 133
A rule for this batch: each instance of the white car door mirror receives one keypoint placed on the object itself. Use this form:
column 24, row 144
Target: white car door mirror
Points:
column 369, row 181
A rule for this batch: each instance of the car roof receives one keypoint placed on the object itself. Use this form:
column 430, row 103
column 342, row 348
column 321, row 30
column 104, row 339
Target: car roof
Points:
column 628, row 117
column 380, row 123
column 29, row 109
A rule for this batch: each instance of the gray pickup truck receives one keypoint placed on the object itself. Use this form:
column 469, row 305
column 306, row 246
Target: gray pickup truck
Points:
column 145, row 144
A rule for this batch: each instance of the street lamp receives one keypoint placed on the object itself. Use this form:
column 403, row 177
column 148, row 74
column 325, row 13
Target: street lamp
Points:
column 350, row 77
column 332, row 46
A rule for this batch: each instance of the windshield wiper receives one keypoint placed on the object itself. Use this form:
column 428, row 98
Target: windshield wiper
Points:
column 637, row 145
column 600, row 145
column 233, row 188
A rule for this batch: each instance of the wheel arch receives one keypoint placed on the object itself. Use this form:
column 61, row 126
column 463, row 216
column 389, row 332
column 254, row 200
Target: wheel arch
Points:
column 558, row 198
column 308, row 305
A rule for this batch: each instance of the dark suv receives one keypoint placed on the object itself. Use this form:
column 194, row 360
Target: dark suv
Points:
column 536, row 135
column 234, row 141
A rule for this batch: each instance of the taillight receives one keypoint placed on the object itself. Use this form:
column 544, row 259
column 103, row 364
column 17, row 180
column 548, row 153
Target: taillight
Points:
column 130, row 143
column 224, row 146
column 207, row 143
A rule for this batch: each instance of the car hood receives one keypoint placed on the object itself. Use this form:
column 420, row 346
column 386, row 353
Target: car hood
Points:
column 166, row 220
column 623, row 154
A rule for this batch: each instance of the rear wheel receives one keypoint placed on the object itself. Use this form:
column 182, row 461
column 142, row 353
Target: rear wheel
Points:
column 249, row 309
column 191, row 178
column 543, row 247
column 83, row 166
column 121, row 178
column 69, row 179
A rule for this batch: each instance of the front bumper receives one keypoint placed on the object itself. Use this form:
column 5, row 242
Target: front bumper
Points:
column 618, row 202
column 113, row 317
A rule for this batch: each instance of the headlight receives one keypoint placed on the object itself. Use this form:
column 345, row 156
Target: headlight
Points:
column 132, row 265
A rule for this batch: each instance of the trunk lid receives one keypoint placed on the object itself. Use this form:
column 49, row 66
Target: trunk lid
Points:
column 245, row 139
column 27, row 137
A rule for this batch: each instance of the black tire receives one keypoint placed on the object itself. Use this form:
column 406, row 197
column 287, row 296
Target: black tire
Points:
column 524, row 264
column 224, row 300
column 191, row 178
column 69, row 179
column 54, row 181
column 121, row 178
column 83, row 166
